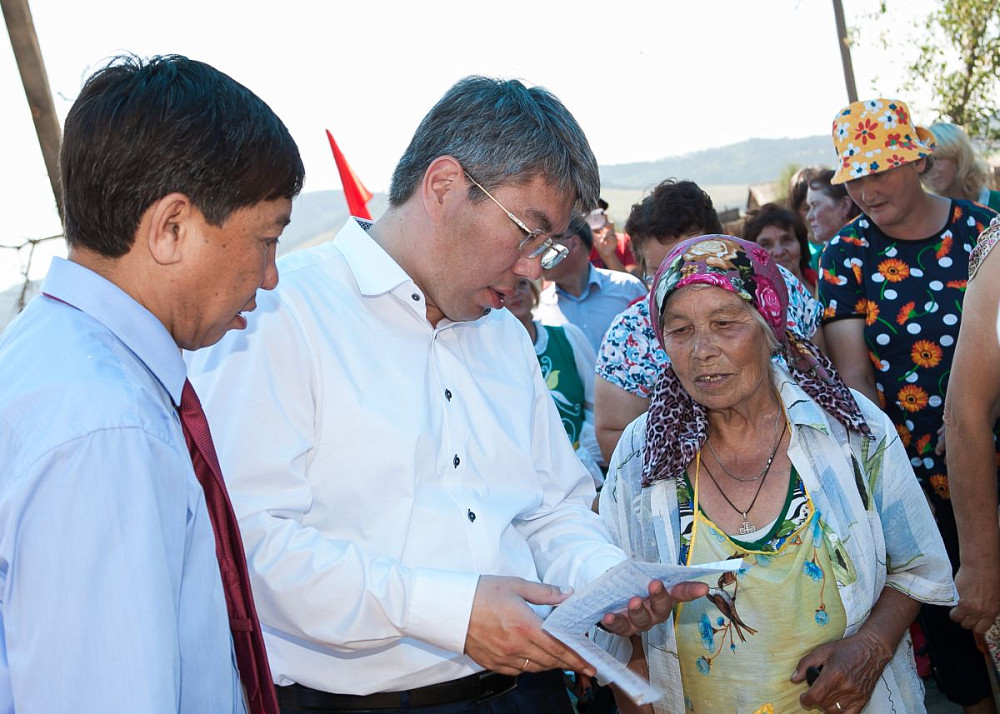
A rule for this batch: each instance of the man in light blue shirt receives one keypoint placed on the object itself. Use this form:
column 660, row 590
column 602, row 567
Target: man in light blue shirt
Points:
column 581, row 294
column 177, row 183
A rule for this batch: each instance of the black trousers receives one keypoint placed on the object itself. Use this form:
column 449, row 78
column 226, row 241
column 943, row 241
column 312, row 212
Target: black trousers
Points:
column 541, row 693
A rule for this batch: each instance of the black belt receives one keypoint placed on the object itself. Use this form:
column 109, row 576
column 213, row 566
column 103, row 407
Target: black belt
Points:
column 479, row 687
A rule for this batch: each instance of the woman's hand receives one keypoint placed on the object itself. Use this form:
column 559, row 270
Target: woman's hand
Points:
column 979, row 595
column 851, row 667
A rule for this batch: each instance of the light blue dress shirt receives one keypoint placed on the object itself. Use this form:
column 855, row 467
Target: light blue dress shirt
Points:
column 110, row 593
column 606, row 294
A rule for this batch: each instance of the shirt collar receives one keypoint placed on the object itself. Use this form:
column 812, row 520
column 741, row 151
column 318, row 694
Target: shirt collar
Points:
column 377, row 272
column 802, row 409
column 374, row 269
column 595, row 281
column 137, row 328
column 594, row 277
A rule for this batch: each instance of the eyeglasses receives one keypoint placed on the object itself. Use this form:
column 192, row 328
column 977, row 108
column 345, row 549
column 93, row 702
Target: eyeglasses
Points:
column 551, row 252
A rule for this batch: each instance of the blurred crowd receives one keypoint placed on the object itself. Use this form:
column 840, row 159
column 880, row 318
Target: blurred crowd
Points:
column 362, row 487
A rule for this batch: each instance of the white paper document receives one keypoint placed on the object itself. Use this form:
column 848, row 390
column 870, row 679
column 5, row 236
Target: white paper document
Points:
column 611, row 592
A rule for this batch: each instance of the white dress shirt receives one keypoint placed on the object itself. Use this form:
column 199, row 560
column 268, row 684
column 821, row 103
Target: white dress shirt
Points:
column 378, row 465
column 110, row 593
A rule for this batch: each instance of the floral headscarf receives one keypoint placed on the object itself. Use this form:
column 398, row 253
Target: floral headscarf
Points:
column 677, row 425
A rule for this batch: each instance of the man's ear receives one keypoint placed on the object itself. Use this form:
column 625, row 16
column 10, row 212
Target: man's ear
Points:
column 444, row 181
column 166, row 226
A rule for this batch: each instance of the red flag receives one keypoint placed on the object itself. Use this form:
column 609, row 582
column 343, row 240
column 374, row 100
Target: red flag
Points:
column 355, row 192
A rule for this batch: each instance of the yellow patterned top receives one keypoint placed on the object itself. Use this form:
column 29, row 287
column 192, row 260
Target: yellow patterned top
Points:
column 739, row 645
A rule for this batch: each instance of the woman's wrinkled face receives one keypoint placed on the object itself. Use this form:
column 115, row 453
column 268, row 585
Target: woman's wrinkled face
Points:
column 825, row 215
column 717, row 347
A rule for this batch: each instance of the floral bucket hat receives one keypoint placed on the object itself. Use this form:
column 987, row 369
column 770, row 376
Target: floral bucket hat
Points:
column 875, row 136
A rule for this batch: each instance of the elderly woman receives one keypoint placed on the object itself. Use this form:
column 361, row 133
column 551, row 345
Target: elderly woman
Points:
column 630, row 358
column 828, row 207
column 739, row 457
column 893, row 281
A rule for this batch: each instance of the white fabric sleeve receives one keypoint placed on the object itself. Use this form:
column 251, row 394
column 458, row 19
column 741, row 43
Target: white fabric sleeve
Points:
column 585, row 359
column 917, row 563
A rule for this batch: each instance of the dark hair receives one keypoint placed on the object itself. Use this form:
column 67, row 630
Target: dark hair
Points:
column 578, row 227
column 673, row 208
column 798, row 185
column 143, row 129
column 771, row 214
column 835, row 191
column 501, row 131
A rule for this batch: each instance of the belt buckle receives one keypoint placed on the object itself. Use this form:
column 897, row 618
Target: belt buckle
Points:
column 490, row 685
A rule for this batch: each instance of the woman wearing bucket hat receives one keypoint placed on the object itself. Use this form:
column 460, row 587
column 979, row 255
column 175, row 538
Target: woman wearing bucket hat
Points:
column 784, row 467
column 893, row 281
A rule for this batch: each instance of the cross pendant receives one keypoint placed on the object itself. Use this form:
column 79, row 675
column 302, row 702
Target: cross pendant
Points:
column 747, row 526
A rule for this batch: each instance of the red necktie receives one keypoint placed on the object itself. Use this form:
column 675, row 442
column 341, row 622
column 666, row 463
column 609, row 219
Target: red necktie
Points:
column 251, row 657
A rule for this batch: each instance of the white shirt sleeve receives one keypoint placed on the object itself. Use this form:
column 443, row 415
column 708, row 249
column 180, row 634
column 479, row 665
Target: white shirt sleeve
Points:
column 585, row 358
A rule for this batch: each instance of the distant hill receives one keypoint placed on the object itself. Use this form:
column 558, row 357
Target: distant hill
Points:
column 318, row 215
column 751, row 161
column 725, row 173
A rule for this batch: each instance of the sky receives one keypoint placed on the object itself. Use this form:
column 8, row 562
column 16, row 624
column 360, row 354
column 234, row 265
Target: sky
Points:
column 645, row 79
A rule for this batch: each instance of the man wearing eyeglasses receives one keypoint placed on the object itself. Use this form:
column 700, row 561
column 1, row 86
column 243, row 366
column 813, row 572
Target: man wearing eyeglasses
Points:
column 581, row 294
column 400, row 473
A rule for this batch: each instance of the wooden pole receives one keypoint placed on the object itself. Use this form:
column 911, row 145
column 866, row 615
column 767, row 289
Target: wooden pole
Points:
column 845, row 52
column 28, row 54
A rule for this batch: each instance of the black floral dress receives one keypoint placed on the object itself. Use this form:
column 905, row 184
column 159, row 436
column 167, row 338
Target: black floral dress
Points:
column 910, row 294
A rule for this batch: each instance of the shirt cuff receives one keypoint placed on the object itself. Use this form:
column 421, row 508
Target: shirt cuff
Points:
column 440, row 608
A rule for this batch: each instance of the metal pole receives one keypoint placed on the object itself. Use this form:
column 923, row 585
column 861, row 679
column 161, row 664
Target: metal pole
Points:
column 845, row 52
column 28, row 54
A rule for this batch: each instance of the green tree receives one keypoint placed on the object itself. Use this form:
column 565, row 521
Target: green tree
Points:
column 959, row 59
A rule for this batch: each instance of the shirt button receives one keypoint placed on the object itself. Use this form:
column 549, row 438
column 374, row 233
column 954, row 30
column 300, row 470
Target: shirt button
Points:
column 416, row 298
column 456, row 461
column 447, row 394
column 472, row 516
column 487, row 311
